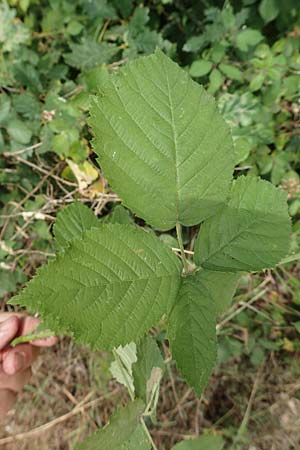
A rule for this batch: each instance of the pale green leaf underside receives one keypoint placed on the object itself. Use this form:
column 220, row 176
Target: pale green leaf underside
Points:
column 127, row 356
column 148, row 356
column 162, row 143
column 72, row 221
column 108, row 288
column 122, row 426
column 250, row 234
column 192, row 332
column 202, row 443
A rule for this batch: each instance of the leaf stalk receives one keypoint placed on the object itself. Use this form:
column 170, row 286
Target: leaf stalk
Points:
column 180, row 242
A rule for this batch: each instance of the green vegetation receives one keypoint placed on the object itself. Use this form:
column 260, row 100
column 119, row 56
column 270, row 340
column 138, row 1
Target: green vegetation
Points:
column 246, row 54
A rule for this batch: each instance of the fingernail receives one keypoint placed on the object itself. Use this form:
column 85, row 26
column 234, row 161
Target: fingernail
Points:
column 19, row 361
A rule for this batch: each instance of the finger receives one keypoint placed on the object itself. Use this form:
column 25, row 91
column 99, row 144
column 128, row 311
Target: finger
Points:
column 8, row 330
column 46, row 342
column 6, row 315
column 28, row 325
column 16, row 382
column 7, row 400
column 19, row 358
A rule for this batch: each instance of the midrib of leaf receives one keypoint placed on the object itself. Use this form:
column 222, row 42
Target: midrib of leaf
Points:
column 175, row 143
column 194, row 337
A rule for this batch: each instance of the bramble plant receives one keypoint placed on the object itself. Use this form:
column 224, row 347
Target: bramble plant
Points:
column 168, row 153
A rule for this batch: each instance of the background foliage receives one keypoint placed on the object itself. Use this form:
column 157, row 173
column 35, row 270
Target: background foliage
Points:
column 54, row 54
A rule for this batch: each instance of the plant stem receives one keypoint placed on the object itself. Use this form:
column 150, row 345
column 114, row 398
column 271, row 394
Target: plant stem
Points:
column 180, row 242
column 124, row 373
column 148, row 434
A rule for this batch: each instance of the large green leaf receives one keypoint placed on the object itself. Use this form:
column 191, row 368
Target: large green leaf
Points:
column 122, row 426
column 72, row 221
column 108, row 288
column 251, row 233
column 192, row 332
column 221, row 287
column 162, row 143
column 202, row 443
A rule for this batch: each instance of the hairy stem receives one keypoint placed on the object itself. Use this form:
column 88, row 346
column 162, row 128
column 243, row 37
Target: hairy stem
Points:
column 180, row 242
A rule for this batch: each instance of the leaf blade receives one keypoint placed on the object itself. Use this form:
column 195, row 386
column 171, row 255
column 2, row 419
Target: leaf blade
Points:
column 250, row 234
column 148, row 357
column 201, row 443
column 108, row 288
column 122, row 426
column 72, row 221
column 192, row 332
column 152, row 141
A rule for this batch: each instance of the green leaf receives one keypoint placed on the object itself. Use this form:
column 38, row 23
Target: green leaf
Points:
column 200, row 68
column 221, row 287
column 122, row 426
column 257, row 82
column 201, row 443
column 269, row 10
column 72, row 221
column 90, row 54
column 12, row 31
column 108, row 288
column 19, row 131
column 5, row 105
column 251, row 233
column 216, row 80
column 148, row 357
column 119, row 215
column 192, row 332
column 297, row 326
column 194, row 44
column 248, row 38
column 138, row 441
column 154, row 138
column 127, row 356
column 231, row 72
column 62, row 142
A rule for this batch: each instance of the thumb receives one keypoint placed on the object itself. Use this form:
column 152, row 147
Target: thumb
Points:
column 8, row 330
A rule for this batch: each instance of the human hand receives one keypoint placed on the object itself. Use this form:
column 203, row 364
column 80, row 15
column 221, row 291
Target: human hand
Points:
column 15, row 363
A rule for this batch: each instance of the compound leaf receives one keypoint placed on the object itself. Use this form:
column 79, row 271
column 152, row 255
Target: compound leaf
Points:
column 72, row 221
column 108, row 288
column 251, row 233
column 157, row 146
column 192, row 332
column 122, row 426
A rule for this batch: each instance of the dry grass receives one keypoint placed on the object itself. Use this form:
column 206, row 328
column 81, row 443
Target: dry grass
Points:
column 72, row 375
